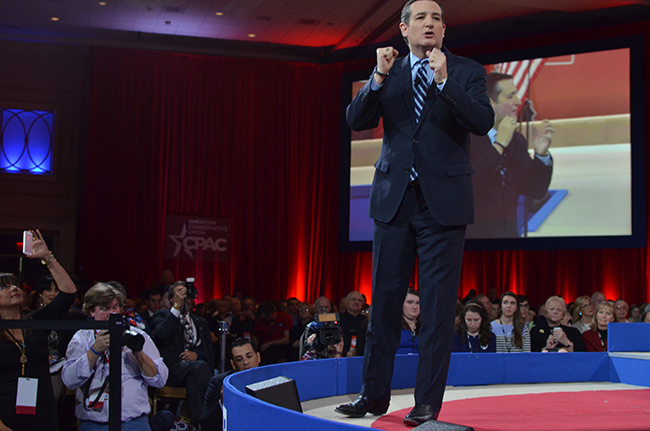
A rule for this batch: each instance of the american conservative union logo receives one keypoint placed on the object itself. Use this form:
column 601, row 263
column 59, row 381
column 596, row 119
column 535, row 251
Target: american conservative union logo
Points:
column 197, row 238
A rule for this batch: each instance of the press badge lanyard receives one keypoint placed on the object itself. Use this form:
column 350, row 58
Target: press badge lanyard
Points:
column 21, row 348
column 27, row 388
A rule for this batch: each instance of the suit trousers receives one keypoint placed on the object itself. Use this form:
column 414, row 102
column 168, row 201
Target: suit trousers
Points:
column 194, row 377
column 412, row 233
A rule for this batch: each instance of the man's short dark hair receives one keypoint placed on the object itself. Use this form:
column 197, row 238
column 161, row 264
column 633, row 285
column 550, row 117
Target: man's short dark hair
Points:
column 152, row 291
column 522, row 298
column 406, row 11
column 241, row 341
column 493, row 87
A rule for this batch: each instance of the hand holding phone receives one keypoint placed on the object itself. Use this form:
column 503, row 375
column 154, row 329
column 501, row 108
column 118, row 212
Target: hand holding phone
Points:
column 28, row 243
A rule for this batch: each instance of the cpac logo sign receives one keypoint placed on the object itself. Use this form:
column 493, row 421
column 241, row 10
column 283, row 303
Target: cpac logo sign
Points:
column 205, row 239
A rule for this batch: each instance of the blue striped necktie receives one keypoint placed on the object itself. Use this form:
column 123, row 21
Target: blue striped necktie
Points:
column 420, row 94
column 420, row 87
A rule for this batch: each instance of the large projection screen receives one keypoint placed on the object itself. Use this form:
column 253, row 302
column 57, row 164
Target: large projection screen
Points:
column 596, row 193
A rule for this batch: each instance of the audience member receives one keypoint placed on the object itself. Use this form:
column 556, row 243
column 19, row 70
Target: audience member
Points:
column 646, row 317
column 343, row 305
column 473, row 333
column 583, row 314
column 510, row 333
column 411, row 323
column 272, row 331
column 184, row 342
column 524, row 312
column 235, row 308
column 220, row 311
column 153, row 299
column 24, row 353
column 493, row 313
column 86, row 369
column 595, row 338
column 548, row 334
column 353, row 325
column 218, row 315
column 244, row 356
column 470, row 295
column 482, row 299
column 57, row 340
column 621, row 308
column 322, row 305
column 141, row 307
column 293, row 304
column 597, row 298
column 282, row 306
column 635, row 313
column 243, row 324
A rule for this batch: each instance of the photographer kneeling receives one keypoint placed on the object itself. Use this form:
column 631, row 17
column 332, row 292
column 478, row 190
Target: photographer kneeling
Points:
column 87, row 366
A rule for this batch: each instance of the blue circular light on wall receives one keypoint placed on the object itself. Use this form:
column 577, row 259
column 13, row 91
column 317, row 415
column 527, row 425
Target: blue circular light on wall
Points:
column 26, row 141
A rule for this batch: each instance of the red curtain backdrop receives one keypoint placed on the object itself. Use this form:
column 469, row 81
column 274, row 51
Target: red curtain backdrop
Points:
column 254, row 141
column 257, row 141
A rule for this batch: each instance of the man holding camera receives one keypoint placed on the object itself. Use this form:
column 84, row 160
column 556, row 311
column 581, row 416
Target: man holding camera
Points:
column 184, row 342
column 87, row 366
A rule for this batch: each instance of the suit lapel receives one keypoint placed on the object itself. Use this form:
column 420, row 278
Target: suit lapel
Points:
column 403, row 76
column 433, row 91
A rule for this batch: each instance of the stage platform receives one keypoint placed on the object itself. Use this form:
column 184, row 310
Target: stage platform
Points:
column 323, row 384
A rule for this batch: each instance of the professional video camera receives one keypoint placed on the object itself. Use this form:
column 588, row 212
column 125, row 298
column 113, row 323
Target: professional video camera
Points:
column 327, row 330
column 192, row 291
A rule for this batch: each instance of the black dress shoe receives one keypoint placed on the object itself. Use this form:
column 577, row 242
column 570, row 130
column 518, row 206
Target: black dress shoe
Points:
column 362, row 405
column 420, row 414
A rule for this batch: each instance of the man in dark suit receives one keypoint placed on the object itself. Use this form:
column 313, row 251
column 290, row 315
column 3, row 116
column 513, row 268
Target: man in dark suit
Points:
column 421, row 200
column 183, row 340
column 244, row 357
column 503, row 168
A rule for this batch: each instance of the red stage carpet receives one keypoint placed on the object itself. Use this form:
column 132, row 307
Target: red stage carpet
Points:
column 621, row 410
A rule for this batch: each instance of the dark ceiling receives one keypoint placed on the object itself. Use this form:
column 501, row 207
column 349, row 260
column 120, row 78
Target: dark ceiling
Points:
column 304, row 30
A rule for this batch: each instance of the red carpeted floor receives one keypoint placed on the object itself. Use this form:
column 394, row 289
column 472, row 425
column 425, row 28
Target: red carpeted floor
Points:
column 620, row 410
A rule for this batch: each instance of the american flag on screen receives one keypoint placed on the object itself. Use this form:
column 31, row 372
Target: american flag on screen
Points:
column 523, row 73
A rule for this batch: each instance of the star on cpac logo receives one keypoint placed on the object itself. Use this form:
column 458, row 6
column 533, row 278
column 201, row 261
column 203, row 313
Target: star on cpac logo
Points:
column 191, row 243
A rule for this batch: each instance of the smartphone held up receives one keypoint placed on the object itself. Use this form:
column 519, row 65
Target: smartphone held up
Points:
column 28, row 243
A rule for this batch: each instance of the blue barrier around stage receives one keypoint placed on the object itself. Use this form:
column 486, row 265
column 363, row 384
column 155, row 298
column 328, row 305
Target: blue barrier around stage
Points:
column 624, row 337
column 330, row 377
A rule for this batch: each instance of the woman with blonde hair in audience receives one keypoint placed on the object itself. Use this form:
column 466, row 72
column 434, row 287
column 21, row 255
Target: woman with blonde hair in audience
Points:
column 550, row 335
column 583, row 314
column 511, row 335
column 596, row 338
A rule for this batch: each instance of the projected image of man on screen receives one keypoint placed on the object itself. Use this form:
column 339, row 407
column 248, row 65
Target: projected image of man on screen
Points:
column 504, row 169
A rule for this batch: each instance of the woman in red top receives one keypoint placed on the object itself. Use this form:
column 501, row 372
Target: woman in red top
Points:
column 596, row 338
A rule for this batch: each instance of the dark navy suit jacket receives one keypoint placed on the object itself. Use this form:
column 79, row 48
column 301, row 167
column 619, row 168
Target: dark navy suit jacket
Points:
column 438, row 144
